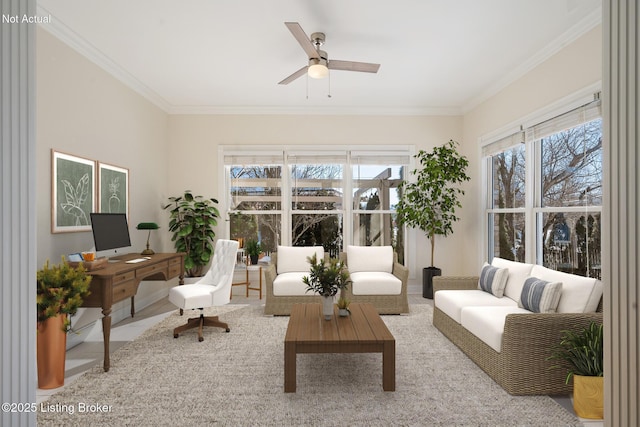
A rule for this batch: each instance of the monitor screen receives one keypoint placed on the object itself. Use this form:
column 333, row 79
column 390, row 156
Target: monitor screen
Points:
column 110, row 230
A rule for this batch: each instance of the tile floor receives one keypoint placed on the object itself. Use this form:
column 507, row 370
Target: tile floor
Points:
column 89, row 353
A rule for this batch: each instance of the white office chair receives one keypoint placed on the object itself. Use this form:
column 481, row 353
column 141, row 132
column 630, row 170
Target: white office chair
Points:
column 213, row 289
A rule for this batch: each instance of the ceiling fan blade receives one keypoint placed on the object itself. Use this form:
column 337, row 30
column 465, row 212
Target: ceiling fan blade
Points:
column 303, row 39
column 365, row 67
column 301, row 72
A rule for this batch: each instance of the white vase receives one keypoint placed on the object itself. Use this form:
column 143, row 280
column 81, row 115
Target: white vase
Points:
column 327, row 307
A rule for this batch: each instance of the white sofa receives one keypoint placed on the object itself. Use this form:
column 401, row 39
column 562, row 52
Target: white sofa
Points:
column 505, row 336
column 283, row 278
column 377, row 278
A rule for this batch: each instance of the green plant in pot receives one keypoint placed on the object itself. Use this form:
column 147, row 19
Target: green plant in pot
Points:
column 61, row 289
column 430, row 202
column 581, row 353
column 253, row 249
column 192, row 222
column 326, row 279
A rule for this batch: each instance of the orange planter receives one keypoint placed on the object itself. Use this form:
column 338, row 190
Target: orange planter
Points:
column 52, row 343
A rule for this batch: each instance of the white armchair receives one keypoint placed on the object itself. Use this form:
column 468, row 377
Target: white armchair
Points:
column 213, row 289
column 377, row 278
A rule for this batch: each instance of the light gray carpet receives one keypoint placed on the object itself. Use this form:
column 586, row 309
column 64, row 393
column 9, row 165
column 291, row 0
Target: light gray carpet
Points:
column 236, row 379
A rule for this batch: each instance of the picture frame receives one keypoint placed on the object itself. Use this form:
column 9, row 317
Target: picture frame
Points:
column 113, row 189
column 73, row 193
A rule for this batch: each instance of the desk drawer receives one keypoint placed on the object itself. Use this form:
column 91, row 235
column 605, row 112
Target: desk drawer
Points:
column 124, row 290
column 159, row 268
column 175, row 268
column 123, row 277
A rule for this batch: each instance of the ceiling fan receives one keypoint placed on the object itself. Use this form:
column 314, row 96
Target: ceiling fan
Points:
column 319, row 63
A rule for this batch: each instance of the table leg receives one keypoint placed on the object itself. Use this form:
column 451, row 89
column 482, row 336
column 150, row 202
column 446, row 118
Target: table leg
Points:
column 289, row 367
column 106, row 336
column 389, row 366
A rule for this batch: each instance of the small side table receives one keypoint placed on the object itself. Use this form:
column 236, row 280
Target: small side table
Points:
column 247, row 282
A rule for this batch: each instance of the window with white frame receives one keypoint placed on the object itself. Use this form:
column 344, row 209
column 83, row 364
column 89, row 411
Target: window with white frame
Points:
column 544, row 187
column 327, row 197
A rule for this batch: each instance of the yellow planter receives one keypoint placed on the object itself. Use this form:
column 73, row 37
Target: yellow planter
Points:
column 588, row 397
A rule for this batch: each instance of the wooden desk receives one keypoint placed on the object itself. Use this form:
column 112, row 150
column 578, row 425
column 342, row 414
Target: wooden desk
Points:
column 120, row 280
column 361, row 332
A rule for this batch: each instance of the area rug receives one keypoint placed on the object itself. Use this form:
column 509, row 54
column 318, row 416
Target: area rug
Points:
column 236, row 379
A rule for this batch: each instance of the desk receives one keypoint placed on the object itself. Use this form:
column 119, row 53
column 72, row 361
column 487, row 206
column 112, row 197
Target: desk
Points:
column 120, row 280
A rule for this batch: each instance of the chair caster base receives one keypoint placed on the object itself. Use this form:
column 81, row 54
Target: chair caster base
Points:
column 227, row 330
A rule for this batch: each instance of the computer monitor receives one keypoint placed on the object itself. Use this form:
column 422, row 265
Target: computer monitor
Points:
column 110, row 231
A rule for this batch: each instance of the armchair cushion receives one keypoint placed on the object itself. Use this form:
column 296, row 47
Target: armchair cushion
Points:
column 290, row 284
column 370, row 258
column 294, row 258
column 375, row 283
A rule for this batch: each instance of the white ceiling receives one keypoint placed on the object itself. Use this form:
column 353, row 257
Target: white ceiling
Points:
column 436, row 56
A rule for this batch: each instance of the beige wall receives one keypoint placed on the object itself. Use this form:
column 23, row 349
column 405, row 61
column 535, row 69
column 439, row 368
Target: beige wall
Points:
column 577, row 66
column 84, row 111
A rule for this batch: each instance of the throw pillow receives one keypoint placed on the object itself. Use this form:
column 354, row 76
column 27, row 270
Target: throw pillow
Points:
column 493, row 280
column 540, row 296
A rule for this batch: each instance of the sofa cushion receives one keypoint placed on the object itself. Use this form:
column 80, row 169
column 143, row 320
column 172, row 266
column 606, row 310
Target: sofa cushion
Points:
column 518, row 272
column 487, row 323
column 540, row 296
column 493, row 279
column 451, row 302
column 294, row 258
column 369, row 258
column 375, row 283
column 290, row 284
column 579, row 294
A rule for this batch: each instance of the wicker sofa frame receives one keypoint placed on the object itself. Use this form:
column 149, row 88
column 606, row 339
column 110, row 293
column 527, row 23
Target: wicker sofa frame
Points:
column 385, row 304
column 521, row 367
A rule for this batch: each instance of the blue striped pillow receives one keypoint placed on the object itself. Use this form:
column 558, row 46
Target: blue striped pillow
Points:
column 493, row 280
column 540, row 296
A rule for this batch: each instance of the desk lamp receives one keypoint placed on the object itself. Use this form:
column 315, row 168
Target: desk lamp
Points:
column 147, row 226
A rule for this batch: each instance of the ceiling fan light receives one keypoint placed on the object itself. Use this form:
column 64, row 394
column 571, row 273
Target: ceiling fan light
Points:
column 318, row 69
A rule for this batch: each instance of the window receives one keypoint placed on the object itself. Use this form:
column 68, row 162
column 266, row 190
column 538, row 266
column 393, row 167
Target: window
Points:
column 546, row 184
column 326, row 197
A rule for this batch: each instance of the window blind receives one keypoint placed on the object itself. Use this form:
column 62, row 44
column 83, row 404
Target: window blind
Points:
column 503, row 144
column 573, row 118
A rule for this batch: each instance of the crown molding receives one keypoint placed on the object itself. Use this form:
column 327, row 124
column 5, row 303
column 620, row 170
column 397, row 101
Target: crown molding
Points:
column 59, row 30
column 572, row 34
column 302, row 110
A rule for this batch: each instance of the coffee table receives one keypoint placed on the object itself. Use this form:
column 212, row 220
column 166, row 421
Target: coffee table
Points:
column 361, row 332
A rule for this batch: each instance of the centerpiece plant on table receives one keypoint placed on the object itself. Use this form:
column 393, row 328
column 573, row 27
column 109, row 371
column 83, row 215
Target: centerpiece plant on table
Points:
column 326, row 279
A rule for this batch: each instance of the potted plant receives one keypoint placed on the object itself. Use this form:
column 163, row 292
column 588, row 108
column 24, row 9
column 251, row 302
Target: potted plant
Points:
column 430, row 202
column 253, row 249
column 326, row 279
column 192, row 222
column 581, row 353
column 343, row 307
column 60, row 292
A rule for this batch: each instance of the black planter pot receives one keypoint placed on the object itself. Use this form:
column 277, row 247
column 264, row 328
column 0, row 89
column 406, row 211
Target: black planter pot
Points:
column 428, row 273
column 254, row 259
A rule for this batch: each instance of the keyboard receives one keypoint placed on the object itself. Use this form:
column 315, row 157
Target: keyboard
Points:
column 137, row 260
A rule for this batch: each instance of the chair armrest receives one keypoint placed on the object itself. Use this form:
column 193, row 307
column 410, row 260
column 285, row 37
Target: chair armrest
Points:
column 401, row 272
column 269, row 274
column 441, row 283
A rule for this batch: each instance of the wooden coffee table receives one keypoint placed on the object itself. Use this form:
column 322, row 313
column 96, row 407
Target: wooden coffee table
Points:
column 361, row 332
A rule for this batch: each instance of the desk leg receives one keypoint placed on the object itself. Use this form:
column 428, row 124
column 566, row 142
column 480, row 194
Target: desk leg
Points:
column 289, row 367
column 106, row 336
column 389, row 366
column 133, row 306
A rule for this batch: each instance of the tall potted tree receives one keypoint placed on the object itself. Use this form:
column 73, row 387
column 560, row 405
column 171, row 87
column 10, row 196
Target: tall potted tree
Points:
column 60, row 292
column 192, row 222
column 430, row 202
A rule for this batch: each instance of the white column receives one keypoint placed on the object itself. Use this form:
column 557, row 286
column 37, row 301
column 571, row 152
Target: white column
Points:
column 621, row 221
column 17, row 223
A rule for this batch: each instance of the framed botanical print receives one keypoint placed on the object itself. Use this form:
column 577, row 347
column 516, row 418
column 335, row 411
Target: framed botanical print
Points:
column 113, row 189
column 73, row 194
